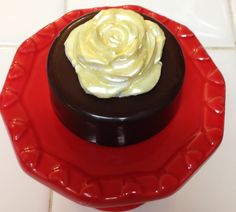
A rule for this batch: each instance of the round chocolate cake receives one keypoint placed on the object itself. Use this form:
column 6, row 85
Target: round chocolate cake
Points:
column 114, row 121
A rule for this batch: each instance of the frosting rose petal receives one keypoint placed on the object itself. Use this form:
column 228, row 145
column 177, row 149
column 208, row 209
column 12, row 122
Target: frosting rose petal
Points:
column 116, row 54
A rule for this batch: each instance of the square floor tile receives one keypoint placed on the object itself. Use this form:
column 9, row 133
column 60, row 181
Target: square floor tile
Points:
column 209, row 19
column 20, row 19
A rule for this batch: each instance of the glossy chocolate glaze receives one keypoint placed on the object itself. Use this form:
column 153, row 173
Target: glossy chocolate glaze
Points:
column 114, row 121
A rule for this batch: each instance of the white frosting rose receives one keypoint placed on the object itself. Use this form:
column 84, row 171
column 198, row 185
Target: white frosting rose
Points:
column 116, row 54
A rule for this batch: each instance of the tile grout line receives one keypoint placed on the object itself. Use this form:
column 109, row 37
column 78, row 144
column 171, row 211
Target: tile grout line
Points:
column 50, row 201
column 231, row 14
column 221, row 48
column 9, row 46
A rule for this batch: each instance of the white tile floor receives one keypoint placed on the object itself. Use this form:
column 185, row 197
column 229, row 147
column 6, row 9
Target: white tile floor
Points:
column 213, row 188
column 210, row 20
column 20, row 19
column 233, row 8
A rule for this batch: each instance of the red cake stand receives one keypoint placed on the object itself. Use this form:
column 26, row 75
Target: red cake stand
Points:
column 104, row 177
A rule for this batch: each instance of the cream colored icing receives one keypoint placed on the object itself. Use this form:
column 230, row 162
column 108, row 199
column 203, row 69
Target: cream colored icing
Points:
column 116, row 54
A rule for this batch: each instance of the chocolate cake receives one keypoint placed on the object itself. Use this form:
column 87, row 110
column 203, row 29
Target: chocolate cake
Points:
column 114, row 121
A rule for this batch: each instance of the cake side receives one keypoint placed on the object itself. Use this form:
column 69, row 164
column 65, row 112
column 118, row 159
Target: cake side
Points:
column 114, row 121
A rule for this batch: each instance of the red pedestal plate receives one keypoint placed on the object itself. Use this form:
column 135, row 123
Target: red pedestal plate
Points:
column 105, row 177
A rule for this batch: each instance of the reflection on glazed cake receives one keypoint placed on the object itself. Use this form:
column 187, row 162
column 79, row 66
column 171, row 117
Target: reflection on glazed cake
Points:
column 116, row 54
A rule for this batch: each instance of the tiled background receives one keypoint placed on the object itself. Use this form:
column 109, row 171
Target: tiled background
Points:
column 213, row 187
